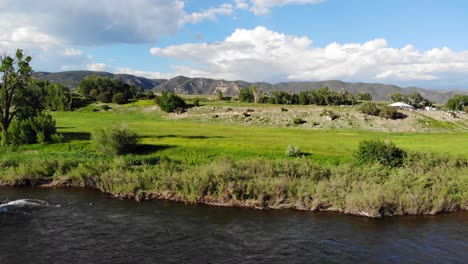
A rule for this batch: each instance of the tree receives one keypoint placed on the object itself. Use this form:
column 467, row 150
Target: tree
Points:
column 364, row 96
column 256, row 92
column 16, row 75
column 457, row 102
column 245, row 95
column 169, row 102
column 398, row 97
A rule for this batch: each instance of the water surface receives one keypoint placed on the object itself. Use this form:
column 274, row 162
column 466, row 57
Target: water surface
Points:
column 83, row 226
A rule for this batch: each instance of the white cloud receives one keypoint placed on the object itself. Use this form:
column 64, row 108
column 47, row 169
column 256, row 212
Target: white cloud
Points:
column 96, row 67
column 260, row 7
column 72, row 52
column 211, row 13
column 146, row 74
column 263, row 55
column 241, row 4
column 97, row 22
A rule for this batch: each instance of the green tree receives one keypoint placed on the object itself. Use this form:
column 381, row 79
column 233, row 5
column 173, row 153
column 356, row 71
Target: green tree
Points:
column 16, row 73
column 169, row 102
column 245, row 95
column 364, row 96
column 457, row 102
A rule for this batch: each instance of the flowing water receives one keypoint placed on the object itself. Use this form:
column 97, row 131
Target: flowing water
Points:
column 83, row 226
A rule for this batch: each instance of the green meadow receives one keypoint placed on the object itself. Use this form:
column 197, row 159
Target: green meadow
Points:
column 213, row 162
column 199, row 142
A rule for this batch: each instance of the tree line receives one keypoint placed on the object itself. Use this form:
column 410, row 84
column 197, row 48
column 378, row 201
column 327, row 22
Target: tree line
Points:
column 323, row 96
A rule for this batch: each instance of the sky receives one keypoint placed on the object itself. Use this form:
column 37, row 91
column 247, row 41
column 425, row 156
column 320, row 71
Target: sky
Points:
column 404, row 42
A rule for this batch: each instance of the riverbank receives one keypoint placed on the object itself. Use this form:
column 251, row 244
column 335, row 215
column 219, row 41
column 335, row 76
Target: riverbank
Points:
column 425, row 185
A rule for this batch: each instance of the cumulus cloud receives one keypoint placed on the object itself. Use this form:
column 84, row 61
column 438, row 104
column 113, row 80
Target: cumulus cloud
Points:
column 97, row 22
column 96, row 67
column 263, row 55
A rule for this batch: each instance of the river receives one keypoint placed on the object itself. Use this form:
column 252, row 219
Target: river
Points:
column 85, row 226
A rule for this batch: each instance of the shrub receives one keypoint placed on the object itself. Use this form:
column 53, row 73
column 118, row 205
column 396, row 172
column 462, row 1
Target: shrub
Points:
column 150, row 95
column 116, row 140
column 168, row 102
column 465, row 109
column 390, row 112
column 196, row 102
column 105, row 107
column 119, row 98
column 385, row 153
column 293, row 151
column 369, row 108
column 298, row 121
column 330, row 114
column 32, row 130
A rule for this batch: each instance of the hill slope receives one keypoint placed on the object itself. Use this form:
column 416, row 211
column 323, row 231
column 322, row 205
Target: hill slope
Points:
column 186, row 85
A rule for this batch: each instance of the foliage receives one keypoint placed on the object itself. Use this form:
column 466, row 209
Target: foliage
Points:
column 457, row 102
column 323, row 96
column 16, row 73
column 369, row 108
column 116, row 140
column 415, row 99
column 246, row 95
column 385, row 153
column 293, row 151
column 390, row 112
column 364, row 96
column 298, row 121
column 150, row 95
column 330, row 114
column 219, row 95
column 56, row 97
column 119, row 98
column 37, row 129
column 169, row 102
column 104, row 89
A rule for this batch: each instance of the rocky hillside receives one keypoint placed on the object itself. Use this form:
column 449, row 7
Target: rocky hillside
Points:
column 186, row 85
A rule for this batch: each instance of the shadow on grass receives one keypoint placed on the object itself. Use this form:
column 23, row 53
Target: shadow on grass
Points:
column 69, row 136
column 144, row 149
column 179, row 136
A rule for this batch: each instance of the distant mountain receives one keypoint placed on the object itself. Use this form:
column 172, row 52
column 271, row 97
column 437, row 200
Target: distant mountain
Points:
column 186, row 85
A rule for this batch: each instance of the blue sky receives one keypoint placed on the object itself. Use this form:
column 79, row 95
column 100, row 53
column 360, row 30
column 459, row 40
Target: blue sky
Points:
column 408, row 43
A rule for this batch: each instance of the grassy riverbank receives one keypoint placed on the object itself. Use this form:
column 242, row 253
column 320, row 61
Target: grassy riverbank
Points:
column 239, row 164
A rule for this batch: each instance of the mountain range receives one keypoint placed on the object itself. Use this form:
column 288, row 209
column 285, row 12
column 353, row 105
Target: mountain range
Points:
column 206, row 86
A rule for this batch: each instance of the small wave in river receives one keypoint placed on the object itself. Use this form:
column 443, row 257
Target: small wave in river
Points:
column 22, row 205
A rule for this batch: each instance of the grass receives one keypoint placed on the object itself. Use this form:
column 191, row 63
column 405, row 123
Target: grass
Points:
column 194, row 161
column 206, row 141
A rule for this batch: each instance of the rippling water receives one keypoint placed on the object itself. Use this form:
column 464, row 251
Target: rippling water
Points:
column 78, row 226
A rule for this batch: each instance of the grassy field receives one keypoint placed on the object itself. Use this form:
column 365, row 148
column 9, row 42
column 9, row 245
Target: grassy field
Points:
column 213, row 162
column 199, row 142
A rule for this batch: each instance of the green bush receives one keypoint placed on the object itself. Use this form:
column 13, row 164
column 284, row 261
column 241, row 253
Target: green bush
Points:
column 168, row 102
column 369, row 108
column 298, row 121
column 116, row 140
column 293, row 151
column 38, row 129
column 119, row 98
column 385, row 153
column 390, row 112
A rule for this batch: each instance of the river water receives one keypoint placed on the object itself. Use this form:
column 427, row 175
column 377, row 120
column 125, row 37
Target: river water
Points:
column 83, row 226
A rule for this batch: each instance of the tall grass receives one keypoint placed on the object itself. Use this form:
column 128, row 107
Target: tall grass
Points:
column 425, row 184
